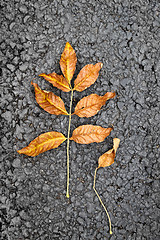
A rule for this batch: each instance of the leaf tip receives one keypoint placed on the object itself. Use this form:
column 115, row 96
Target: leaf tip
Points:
column 116, row 142
column 41, row 75
column 99, row 64
column 113, row 94
column 68, row 44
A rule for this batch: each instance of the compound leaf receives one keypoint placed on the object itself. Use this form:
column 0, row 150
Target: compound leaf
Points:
column 49, row 101
column 68, row 62
column 43, row 143
column 108, row 158
column 87, row 76
column 57, row 81
column 86, row 134
column 90, row 105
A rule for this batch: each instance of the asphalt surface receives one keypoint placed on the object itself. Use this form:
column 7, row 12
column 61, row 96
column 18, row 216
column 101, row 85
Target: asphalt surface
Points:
column 124, row 35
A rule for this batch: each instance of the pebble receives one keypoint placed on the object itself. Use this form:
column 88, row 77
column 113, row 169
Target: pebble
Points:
column 23, row 67
column 7, row 116
column 23, row 9
column 11, row 67
column 16, row 163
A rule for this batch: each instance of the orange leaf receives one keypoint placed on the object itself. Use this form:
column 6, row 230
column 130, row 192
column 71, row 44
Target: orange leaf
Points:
column 87, row 76
column 90, row 105
column 88, row 134
column 49, row 101
column 43, row 143
column 57, row 80
column 68, row 62
column 108, row 158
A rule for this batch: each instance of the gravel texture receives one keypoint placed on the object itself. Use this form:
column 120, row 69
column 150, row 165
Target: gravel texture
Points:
column 124, row 35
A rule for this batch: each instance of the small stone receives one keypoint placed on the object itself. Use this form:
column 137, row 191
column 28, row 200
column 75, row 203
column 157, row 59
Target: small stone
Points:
column 47, row 209
column 27, row 171
column 46, row 188
column 23, row 9
column 7, row 115
column 124, row 81
column 65, row 3
column 11, row 25
column 90, row 208
column 80, row 220
column 16, row 163
column 51, row 216
column 80, row 187
column 26, row 18
column 120, row 105
column 11, row 67
column 23, row 67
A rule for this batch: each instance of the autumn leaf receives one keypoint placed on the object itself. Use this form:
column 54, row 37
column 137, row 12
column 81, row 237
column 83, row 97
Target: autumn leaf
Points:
column 88, row 134
column 57, row 81
column 49, row 101
column 90, row 105
column 43, row 143
column 87, row 76
column 68, row 62
column 108, row 158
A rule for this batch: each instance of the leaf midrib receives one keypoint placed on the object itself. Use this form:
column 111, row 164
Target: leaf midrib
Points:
column 66, row 113
column 60, row 83
column 82, row 80
column 87, row 107
column 87, row 133
column 49, row 141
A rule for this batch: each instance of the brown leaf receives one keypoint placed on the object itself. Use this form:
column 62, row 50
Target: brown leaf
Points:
column 68, row 62
column 49, row 101
column 90, row 105
column 116, row 142
column 43, row 143
column 57, row 81
column 108, row 158
column 88, row 134
column 87, row 76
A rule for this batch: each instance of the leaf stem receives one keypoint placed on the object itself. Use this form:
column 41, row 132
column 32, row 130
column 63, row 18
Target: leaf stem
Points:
column 110, row 231
column 69, row 126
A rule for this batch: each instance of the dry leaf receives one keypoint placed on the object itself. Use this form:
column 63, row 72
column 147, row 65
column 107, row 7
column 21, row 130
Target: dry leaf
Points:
column 57, row 81
column 90, row 105
column 87, row 76
column 108, row 158
column 68, row 62
column 43, row 143
column 49, row 101
column 116, row 142
column 88, row 134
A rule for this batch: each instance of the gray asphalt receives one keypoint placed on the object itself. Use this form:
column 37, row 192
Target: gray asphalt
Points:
column 124, row 35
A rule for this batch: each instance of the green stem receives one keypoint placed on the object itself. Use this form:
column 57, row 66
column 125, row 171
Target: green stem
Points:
column 110, row 231
column 69, row 126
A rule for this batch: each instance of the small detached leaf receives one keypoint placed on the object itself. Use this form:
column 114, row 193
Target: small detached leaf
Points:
column 90, row 105
column 108, row 158
column 43, row 143
column 87, row 76
column 68, row 62
column 86, row 134
column 49, row 101
column 57, row 81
